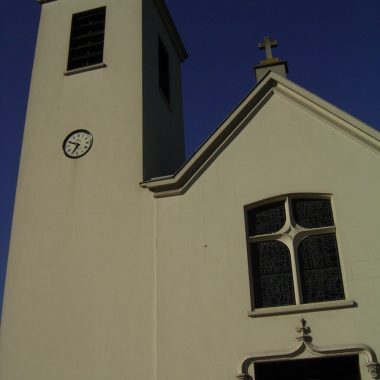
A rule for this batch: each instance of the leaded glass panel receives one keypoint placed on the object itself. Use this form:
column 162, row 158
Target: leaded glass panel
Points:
column 266, row 219
column 320, row 273
column 272, row 274
column 312, row 213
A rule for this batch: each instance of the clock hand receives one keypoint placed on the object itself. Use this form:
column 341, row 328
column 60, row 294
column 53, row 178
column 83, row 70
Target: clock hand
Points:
column 76, row 147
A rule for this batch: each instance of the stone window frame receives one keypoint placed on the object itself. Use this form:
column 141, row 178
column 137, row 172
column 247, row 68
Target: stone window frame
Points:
column 292, row 230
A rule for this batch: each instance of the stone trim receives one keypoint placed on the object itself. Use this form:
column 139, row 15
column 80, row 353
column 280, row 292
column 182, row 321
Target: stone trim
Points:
column 45, row 1
column 306, row 345
column 83, row 69
column 271, row 84
column 293, row 309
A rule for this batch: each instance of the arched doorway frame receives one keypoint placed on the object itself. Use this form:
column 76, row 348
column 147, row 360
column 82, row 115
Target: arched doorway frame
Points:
column 306, row 344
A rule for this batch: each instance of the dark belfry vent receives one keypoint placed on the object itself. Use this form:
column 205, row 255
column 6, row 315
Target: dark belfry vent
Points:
column 87, row 38
column 163, row 69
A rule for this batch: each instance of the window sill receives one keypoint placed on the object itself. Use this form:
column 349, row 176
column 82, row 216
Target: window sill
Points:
column 293, row 309
column 86, row 68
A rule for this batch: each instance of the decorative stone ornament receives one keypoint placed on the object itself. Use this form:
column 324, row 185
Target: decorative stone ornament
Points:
column 306, row 345
column 374, row 370
column 304, row 332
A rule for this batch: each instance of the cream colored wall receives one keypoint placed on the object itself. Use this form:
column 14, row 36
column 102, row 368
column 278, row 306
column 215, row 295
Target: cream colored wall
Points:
column 79, row 289
column 203, row 297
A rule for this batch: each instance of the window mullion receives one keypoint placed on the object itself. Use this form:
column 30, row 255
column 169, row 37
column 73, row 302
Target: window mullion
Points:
column 303, row 233
column 295, row 271
column 293, row 256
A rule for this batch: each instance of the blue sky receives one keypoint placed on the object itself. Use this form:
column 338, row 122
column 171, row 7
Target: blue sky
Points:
column 332, row 49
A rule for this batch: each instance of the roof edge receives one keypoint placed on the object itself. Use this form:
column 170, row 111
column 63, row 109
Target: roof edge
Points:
column 238, row 118
column 45, row 1
column 194, row 166
column 334, row 116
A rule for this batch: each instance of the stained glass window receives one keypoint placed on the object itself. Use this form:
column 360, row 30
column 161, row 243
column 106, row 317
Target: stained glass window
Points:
column 320, row 273
column 272, row 273
column 272, row 249
column 313, row 213
column 266, row 219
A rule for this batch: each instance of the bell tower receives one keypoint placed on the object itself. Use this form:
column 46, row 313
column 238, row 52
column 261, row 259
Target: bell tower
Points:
column 104, row 113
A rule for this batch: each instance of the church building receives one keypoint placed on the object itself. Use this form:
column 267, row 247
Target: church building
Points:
column 255, row 259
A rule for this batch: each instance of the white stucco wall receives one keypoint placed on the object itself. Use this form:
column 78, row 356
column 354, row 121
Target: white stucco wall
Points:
column 202, row 276
column 79, row 290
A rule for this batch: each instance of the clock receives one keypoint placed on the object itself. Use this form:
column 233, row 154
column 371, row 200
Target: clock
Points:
column 77, row 143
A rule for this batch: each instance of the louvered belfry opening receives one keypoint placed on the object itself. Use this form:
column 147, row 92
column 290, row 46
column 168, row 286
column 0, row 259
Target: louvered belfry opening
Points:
column 163, row 70
column 87, row 38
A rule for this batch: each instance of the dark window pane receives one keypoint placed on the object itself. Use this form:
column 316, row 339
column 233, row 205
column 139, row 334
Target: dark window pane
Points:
column 163, row 70
column 87, row 38
column 272, row 274
column 313, row 213
column 266, row 219
column 321, row 277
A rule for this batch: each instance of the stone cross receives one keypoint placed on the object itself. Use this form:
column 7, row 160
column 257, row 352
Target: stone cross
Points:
column 267, row 45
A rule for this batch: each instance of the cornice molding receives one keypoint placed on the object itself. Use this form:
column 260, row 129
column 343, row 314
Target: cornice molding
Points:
column 45, row 1
column 338, row 119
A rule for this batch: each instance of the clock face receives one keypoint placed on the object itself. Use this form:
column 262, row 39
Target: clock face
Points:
column 77, row 143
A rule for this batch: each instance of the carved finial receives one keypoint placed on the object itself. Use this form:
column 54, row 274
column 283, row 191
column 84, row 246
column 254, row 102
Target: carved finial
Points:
column 374, row 370
column 304, row 332
column 267, row 45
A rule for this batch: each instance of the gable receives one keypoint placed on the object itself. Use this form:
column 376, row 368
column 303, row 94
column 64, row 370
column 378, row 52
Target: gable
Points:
column 285, row 149
column 251, row 109
column 281, row 151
